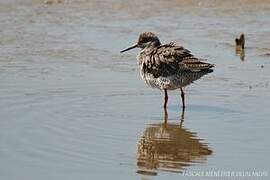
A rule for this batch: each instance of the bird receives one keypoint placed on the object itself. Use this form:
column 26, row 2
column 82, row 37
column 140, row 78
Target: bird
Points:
column 167, row 66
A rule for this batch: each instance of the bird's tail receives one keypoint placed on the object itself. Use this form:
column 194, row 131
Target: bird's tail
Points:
column 195, row 64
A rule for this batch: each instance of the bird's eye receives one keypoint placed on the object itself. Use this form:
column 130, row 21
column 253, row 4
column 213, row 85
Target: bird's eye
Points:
column 145, row 40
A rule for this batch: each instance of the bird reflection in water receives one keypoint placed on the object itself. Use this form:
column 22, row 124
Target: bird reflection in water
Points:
column 169, row 147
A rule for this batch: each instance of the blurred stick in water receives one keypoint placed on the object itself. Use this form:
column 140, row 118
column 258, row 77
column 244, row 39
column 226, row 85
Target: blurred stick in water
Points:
column 240, row 46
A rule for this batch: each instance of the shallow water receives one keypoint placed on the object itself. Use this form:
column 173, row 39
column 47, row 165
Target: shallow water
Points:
column 72, row 107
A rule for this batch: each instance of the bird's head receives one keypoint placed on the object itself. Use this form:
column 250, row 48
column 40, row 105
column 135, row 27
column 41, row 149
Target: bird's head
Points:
column 146, row 39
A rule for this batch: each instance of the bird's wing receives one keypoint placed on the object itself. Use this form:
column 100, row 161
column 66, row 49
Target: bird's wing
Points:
column 169, row 59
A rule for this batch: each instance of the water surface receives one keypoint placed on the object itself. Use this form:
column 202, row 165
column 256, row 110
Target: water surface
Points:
column 72, row 107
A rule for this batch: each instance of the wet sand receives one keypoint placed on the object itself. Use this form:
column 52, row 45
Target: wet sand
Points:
column 72, row 107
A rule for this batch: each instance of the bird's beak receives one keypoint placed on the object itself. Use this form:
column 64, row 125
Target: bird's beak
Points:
column 132, row 47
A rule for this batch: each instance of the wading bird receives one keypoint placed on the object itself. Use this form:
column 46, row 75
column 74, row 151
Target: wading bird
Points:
column 168, row 66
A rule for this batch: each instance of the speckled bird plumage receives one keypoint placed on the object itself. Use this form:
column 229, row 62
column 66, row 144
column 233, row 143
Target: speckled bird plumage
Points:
column 168, row 66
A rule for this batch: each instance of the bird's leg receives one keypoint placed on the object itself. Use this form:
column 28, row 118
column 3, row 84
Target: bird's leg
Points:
column 182, row 117
column 183, row 99
column 165, row 118
column 165, row 99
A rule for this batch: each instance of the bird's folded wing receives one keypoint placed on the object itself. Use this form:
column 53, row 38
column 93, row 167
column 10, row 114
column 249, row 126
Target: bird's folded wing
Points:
column 169, row 59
